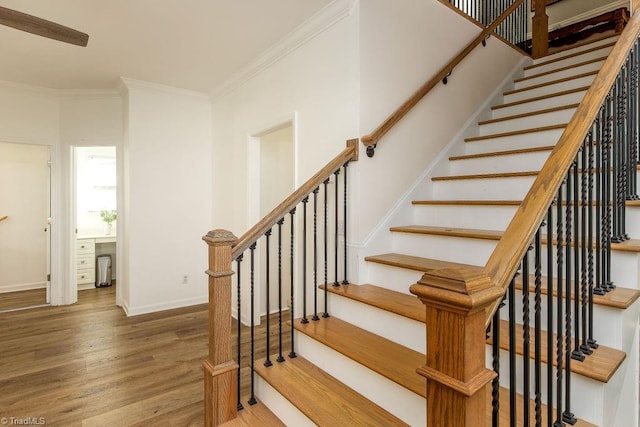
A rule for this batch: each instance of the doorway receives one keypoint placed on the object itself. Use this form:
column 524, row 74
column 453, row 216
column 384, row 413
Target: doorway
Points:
column 25, row 237
column 95, row 217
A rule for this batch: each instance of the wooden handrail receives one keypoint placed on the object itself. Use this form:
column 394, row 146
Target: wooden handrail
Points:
column 254, row 233
column 506, row 257
column 372, row 139
column 2, row 218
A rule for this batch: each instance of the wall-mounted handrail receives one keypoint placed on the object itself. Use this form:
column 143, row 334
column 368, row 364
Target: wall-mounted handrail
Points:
column 371, row 140
column 504, row 260
column 254, row 233
column 2, row 218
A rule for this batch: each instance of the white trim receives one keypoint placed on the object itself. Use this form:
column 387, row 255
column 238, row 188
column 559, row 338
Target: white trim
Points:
column 22, row 287
column 331, row 14
column 169, row 305
column 141, row 84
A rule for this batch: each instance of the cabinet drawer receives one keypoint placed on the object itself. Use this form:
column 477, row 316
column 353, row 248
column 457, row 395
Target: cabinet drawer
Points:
column 86, row 276
column 85, row 261
column 85, row 246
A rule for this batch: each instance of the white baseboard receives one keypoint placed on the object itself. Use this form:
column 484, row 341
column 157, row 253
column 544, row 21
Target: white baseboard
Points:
column 152, row 308
column 22, row 287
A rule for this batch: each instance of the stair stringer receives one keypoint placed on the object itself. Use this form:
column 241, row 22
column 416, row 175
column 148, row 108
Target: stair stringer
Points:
column 379, row 239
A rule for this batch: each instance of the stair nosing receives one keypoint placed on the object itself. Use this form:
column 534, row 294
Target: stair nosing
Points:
column 557, row 70
column 469, row 202
column 411, row 262
column 486, row 176
column 502, row 153
column 573, row 55
column 530, row 114
column 540, row 98
column 558, row 81
column 514, row 133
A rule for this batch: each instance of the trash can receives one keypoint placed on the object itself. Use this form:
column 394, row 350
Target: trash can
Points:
column 103, row 271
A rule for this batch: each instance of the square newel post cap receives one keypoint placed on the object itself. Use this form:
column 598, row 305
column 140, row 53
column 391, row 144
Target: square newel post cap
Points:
column 220, row 237
column 462, row 289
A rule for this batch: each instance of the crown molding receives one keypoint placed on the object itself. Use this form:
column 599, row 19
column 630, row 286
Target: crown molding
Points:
column 324, row 19
column 129, row 83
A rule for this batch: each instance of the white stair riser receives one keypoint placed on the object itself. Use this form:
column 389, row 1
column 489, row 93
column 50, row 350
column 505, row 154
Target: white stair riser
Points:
column 392, row 397
column 455, row 249
column 514, row 142
column 549, row 89
column 511, row 188
column 394, row 278
column 587, row 394
column 600, row 53
column 535, row 121
column 407, row 332
column 585, row 68
column 633, row 221
column 498, row 164
column 555, row 101
column 575, row 50
column 279, row 405
column 490, row 217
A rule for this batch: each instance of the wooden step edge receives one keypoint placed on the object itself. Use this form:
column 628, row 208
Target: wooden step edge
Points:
column 582, row 43
column 502, row 153
column 599, row 366
column 540, row 98
column 551, row 83
column 257, row 415
column 573, row 55
column 469, row 202
column 450, row 232
column 515, row 133
column 557, row 70
column 529, row 114
column 321, row 397
column 415, row 263
column 619, row 298
column 384, row 357
column 486, row 176
column 634, row 203
column 404, row 305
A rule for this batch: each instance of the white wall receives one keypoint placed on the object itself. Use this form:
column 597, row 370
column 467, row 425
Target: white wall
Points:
column 567, row 12
column 402, row 45
column 168, row 187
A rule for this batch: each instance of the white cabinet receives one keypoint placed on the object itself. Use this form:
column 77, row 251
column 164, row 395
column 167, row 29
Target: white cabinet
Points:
column 86, row 262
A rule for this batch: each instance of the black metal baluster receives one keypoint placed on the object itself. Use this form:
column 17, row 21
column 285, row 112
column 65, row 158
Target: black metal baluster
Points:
column 550, row 315
column 292, row 212
column 592, row 212
column 239, row 326
column 280, row 358
column 599, row 288
column 335, row 229
column 559, row 317
column 587, row 242
column 633, row 123
column 526, row 341
column 315, row 254
column 304, row 319
column 513, row 414
column 252, row 398
column 345, row 280
column 267, row 361
column 537, row 320
column 607, row 194
column 495, row 352
column 326, row 250
column 567, row 415
column 576, row 354
column 617, row 160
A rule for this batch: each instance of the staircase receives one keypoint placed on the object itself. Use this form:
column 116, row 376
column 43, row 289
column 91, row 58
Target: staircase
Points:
column 358, row 366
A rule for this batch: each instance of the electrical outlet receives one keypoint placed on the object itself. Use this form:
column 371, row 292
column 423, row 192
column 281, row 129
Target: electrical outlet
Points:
column 185, row 279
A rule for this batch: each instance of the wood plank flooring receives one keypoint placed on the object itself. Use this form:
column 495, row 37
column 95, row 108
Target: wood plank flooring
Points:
column 22, row 299
column 89, row 364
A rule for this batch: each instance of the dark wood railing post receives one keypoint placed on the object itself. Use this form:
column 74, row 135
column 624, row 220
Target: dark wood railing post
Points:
column 220, row 369
column 455, row 301
column 540, row 30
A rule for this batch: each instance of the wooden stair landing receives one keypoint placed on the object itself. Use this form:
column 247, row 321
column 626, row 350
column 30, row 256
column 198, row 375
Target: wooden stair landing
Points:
column 321, row 397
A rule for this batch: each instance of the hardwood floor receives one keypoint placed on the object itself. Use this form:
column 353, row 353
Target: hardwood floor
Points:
column 22, row 299
column 88, row 364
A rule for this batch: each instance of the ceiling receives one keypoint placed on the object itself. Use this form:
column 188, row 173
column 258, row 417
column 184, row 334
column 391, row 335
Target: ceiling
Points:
column 190, row 44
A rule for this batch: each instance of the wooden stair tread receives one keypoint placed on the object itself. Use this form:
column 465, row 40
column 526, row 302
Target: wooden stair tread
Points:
column 529, row 114
column 631, row 245
column 257, row 415
column 415, row 263
column 469, row 202
column 568, row 67
column 600, row 366
column 502, row 153
column 540, row 98
column 552, row 82
column 486, row 176
column 322, row 398
column 385, row 357
column 517, row 132
column 573, row 55
column 385, row 299
column 619, row 297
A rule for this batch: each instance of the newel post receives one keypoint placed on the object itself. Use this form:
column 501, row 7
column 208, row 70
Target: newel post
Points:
column 455, row 302
column 220, row 370
column 540, row 29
